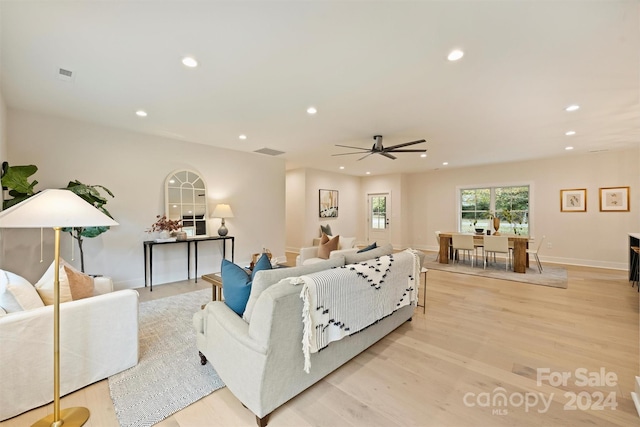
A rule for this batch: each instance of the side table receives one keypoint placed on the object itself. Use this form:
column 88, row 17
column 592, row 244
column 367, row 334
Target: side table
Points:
column 216, row 285
column 423, row 272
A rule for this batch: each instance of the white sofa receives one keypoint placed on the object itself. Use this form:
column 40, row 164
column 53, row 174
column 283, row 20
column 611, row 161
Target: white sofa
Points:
column 306, row 256
column 98, row 338
column 259, row 357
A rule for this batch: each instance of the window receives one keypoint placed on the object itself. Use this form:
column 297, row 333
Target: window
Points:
column 510, row 204
column 379, row 212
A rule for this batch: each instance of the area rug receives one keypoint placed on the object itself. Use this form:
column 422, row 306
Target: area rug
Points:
column 168, row 376
column 551, row 276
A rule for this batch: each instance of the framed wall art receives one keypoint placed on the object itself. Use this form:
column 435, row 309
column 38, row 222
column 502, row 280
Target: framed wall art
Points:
column 614, row 199
column 328, row 202
column 574, row 200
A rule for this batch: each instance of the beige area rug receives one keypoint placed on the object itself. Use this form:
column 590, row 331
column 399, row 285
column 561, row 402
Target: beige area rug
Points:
column 168, row 376
column 555, row 277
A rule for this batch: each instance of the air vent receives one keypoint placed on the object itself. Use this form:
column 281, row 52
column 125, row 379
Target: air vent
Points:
column 598, row 150
column 65, row 74
column 269, row 152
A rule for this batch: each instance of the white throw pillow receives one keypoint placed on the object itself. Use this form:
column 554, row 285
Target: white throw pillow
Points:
column 347, row 242
column 44, row 286
column 17, row 294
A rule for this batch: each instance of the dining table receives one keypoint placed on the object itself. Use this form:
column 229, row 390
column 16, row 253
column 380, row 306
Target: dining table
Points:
column 520, row 245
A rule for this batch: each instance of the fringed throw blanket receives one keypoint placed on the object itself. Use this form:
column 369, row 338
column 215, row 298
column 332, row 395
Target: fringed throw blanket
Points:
column 345, row 300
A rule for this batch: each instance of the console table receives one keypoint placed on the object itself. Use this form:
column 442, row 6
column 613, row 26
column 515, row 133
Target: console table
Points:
column 148, row 272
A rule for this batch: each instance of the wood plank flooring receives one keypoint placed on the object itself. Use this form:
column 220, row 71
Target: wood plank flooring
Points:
column 479, row 337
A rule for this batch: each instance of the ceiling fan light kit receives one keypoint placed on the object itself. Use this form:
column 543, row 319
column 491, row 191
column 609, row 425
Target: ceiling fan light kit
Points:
column 378, row 148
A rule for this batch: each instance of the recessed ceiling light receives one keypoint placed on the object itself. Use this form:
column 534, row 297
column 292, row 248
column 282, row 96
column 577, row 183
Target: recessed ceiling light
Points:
column 189, row 62
column 454, row 55
column 423, row 155
column 243, row 136
column 368, row 173
column 312, row 110
column 141, row 113
column 570, row 132
column 341, row 167
column 445, row 163
column 568, row 148
column 572, row 107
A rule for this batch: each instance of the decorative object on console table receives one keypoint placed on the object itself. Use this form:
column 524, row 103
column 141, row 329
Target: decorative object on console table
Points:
column 222, row 211
column 328, row 202
column 165, row 226
column 57, row 209
column 614, row 199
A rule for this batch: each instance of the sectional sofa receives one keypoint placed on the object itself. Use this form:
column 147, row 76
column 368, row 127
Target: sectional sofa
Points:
column 259, row 356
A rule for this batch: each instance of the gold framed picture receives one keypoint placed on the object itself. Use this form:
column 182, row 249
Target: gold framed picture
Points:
column 573, row 200
column 614, row 199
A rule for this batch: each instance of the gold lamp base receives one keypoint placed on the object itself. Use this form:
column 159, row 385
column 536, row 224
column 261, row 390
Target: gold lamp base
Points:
column 70, row 417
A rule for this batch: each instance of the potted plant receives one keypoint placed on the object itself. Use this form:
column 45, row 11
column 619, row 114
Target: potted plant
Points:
column 91, row 194
column 15, row 180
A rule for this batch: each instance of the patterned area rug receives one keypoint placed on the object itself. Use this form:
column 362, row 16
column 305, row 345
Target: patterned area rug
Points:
column 551, row 276
column 169, row 376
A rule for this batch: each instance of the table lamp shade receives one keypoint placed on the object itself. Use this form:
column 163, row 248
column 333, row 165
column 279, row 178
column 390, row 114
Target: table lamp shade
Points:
column 222, row 211
column 54, row 208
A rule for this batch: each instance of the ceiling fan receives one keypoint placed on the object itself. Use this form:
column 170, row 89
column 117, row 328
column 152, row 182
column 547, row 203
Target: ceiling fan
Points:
column 377, row 148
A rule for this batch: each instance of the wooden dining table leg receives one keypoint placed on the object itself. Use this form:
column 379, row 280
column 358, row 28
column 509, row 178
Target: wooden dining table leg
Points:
column 520, row 256
column 444, row 249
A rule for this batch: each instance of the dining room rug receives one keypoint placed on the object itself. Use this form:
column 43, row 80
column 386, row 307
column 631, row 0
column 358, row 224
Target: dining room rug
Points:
column 168, row 376
column 551, row 275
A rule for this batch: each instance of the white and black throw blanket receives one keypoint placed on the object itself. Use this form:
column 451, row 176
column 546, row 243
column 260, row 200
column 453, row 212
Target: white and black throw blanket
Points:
column 345, row 300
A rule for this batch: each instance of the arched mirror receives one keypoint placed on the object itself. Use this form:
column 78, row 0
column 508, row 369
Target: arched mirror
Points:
column 186, row 198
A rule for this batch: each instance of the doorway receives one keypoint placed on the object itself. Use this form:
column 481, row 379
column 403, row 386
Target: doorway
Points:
column 378, row 214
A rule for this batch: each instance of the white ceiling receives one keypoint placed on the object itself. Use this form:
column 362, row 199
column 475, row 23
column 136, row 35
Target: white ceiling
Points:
column 368, row 67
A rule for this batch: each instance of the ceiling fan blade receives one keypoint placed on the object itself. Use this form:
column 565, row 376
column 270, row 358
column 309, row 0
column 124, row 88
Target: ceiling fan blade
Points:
column 364, row 157
column 345, row 154
column 406, row 151
column 405, row 144
column 349, row 146
column 384, row 153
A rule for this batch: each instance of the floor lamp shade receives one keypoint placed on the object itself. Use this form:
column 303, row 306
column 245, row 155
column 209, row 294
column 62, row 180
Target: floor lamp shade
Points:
column 56, row 209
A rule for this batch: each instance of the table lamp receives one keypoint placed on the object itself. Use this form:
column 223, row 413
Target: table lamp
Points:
column 56, row 209
column 222, row 211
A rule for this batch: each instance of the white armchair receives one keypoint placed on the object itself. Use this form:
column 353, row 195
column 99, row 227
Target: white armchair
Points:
column 99, row 337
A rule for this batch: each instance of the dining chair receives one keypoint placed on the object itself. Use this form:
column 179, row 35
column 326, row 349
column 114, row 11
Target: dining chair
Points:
column 535, row 251
column 463, row 242
column 497, row 245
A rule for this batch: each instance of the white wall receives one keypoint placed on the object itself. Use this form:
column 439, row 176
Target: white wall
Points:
column 303, row 221
column 134, row 167
column 591, row 238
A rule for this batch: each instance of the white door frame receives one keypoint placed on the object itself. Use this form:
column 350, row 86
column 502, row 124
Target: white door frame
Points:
column 381, row 237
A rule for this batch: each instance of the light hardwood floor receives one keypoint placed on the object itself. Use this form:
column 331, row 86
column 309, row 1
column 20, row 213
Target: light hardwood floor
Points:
column 477, row 335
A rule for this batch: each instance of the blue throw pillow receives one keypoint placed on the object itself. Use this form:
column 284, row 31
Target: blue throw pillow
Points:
column 236, row 282
column 236, row 286
column 368, row 248
column 263, row 263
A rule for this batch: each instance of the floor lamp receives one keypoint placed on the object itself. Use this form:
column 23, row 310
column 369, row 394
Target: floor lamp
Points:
column 56, row 209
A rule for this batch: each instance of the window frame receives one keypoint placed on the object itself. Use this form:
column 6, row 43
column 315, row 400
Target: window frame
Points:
column 492, row 187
